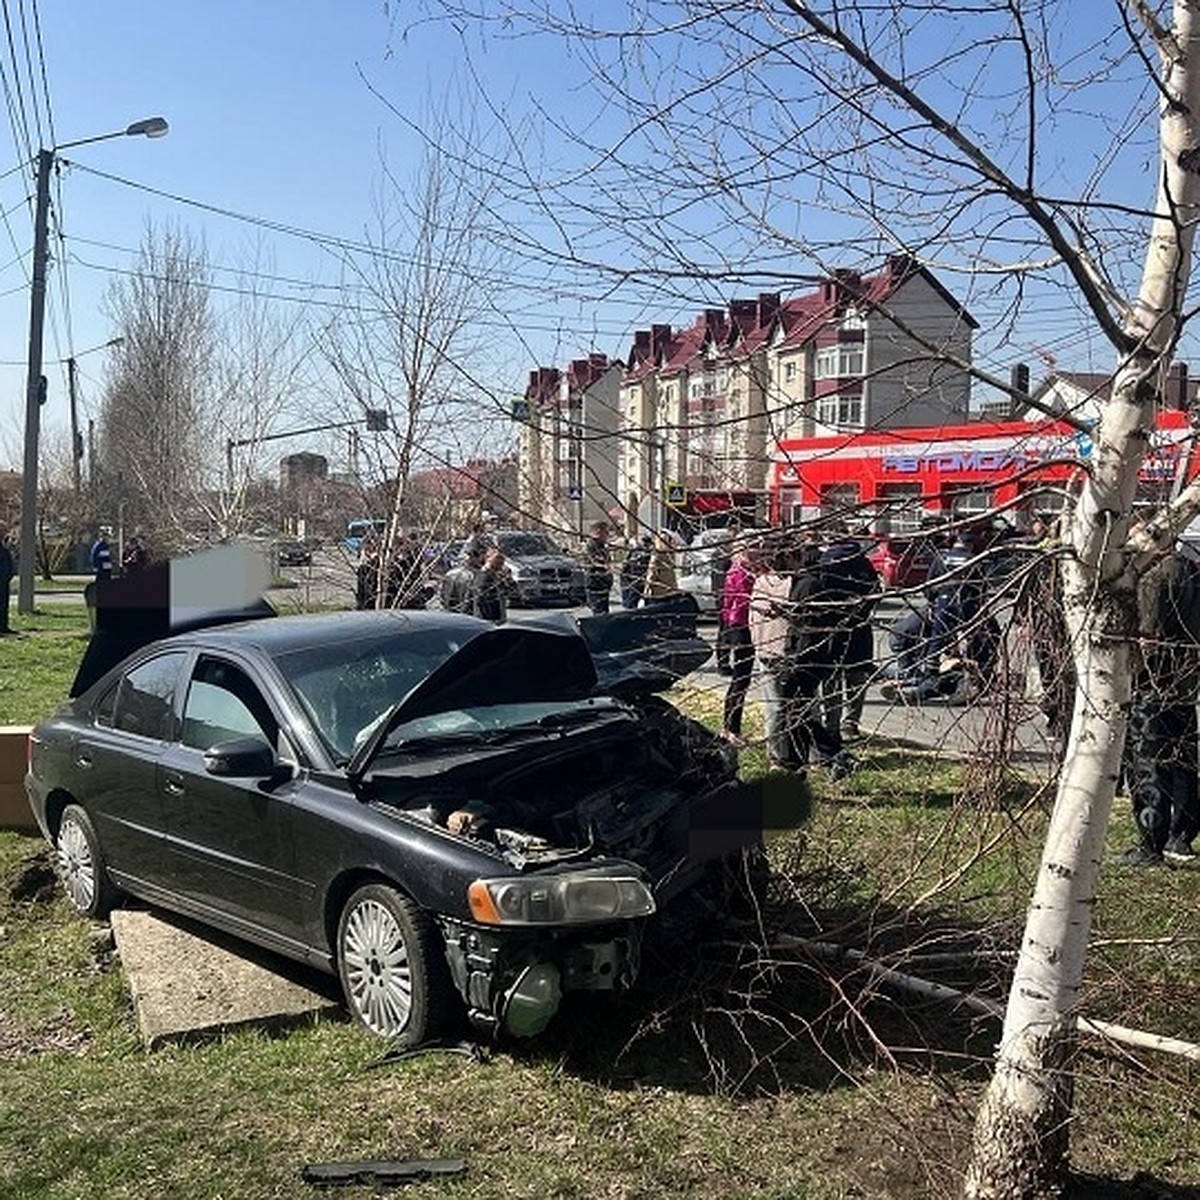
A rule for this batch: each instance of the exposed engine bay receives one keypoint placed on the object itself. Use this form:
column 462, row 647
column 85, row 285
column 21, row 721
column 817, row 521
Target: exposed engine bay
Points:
column 622, row 788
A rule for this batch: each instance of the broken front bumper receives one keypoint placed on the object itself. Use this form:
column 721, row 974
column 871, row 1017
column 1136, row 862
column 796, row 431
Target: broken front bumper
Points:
column 513, row 980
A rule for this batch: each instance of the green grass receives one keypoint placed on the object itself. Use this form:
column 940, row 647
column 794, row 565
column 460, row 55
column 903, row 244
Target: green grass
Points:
column 37, row 666
column 739, row 1068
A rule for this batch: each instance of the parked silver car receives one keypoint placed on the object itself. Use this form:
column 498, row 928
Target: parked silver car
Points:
column 542, row 570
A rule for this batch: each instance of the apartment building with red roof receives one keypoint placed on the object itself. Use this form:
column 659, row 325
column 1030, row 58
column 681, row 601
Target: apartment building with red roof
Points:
column 704, row 407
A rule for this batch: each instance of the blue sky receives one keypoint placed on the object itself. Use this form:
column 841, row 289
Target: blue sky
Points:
column 271, row 117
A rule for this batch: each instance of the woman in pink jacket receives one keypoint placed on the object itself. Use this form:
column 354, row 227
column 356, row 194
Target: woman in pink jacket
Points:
column 735, row 622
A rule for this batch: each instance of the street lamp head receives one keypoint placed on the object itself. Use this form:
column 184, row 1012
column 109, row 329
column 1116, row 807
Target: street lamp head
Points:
column 151, row 127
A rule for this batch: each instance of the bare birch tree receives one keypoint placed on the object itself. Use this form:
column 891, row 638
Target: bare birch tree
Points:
column 1000, row 142
column 150, row 449
column 193, row 381
column 408, row 343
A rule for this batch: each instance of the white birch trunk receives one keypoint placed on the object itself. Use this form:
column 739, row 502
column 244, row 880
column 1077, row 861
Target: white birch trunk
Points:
column 1021, row 1140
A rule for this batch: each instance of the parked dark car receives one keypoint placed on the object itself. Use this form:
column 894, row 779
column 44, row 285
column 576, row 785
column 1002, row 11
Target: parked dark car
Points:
column 451, row 816
column 293, row 554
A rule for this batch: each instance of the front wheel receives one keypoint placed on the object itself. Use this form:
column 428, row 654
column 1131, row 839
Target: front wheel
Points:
column 80, row 864
column 393, row 967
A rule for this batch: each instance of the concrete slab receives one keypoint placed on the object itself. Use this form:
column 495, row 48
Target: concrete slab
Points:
column 188, row 983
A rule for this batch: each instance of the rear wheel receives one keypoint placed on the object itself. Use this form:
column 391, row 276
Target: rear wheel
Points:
column 393, row 967
column 80, row 864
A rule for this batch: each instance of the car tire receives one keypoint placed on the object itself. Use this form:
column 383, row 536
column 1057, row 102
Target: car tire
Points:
column 393, row 969
column 80, row 864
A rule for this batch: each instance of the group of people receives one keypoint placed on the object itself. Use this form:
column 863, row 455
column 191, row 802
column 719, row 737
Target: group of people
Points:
column 482, row 584
column 800, row 609
column 398, row 580
column 945, row 647
column 649, row 572
column 134, row 556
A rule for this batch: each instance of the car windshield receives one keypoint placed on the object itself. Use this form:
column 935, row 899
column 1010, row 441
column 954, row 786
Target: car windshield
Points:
column 495, row 723
column 346, row 687
column 517, row 545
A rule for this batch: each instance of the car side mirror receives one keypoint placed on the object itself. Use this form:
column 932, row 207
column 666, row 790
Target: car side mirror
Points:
column 241, row 758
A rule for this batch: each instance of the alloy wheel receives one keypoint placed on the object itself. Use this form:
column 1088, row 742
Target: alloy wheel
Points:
column 377, row 969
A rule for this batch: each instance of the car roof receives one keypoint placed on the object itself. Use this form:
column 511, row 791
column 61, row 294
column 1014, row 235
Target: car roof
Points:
column 283, row 635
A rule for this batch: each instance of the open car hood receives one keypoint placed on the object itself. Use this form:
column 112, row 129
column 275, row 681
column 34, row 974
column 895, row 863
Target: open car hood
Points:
column 214, row 587
column 639, row 650
column 511, row 664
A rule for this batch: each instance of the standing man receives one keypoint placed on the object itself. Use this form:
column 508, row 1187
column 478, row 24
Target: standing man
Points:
column 722, row 557
column 101, row 556
column 816, row 646
column 633, row 571
column 1161, row 758
column 598, row 564
column 850, row 588
column 7, row 571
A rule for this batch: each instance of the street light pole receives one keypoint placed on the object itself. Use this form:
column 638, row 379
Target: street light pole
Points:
column 34, row 389
column 35, row 386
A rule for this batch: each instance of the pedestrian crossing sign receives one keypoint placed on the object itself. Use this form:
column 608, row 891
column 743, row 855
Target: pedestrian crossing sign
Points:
column 675, row 494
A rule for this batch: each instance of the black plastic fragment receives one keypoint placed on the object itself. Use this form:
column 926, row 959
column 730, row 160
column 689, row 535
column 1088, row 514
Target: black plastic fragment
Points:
column 380, row 1171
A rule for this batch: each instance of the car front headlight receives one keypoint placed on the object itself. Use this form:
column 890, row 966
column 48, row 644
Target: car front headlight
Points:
column 573, row 898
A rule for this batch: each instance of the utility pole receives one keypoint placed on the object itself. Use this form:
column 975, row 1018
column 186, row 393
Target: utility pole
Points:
column 35, row 384
column 34, row 387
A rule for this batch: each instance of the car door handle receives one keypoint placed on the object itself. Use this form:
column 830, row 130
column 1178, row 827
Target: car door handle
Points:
column 83, row 759
column 173, row 784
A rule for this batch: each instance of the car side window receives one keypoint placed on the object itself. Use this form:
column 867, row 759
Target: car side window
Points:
column 224, row 703
column 104, row 708
column 145, row 695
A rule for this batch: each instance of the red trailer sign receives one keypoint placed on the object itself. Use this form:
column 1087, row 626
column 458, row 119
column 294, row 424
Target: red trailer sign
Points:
column 893, row 479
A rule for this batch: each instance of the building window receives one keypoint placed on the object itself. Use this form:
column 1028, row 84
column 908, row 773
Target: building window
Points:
column 839, row 499
column 838, row 362
column 789, row 372
column 843, row 410
column 853, row 319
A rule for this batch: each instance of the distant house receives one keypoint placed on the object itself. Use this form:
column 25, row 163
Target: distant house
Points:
column 1080, row 394
column 448, row 500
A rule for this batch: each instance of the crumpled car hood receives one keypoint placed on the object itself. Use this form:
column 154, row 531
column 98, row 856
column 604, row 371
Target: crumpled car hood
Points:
column 511, row 664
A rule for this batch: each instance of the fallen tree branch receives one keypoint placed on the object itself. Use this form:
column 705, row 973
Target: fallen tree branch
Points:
column 902, row 981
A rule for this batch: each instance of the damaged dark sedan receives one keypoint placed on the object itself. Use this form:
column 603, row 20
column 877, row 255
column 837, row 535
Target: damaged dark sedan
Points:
column 449, row 815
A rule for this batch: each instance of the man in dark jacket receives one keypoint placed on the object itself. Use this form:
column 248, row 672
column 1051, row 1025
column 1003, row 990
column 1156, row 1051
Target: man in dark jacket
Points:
column 851, row 586
column 816, row 645
column 7, row 570
column 1161, row 743
column 598, row 566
